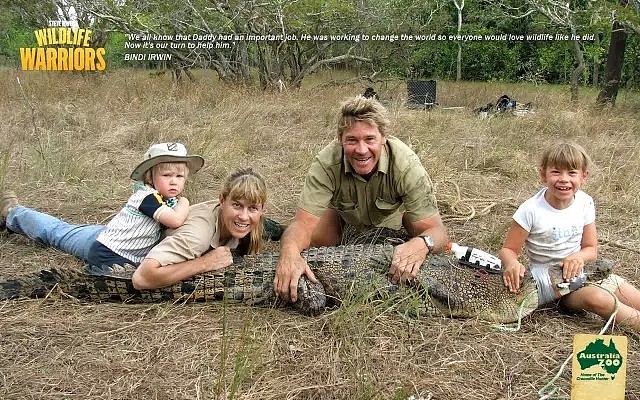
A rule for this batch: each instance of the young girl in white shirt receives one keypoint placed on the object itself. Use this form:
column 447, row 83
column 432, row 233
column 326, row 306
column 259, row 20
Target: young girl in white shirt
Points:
column 557, row 226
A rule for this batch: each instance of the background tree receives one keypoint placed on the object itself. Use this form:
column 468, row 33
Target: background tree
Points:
column 459, row 6
column 629, row 21
column 282, row 56
column 332, row 38
column 613, row 68
column 563, row 15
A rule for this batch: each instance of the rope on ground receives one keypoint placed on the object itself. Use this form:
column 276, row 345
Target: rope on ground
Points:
column 553, row 389
column 458, row 209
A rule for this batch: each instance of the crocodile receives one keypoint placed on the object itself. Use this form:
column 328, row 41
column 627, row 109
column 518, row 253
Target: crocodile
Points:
column 442, row 286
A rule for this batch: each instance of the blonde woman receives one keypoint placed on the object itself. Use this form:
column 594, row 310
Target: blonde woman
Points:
column 205, row 240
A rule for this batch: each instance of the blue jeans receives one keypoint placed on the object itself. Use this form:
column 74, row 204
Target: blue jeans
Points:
column 50, row 231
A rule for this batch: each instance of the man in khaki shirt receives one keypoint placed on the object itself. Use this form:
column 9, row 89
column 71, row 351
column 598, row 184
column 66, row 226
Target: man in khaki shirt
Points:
column 365, row 179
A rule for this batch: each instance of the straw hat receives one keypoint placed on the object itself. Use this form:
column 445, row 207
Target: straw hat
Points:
column 166, row 152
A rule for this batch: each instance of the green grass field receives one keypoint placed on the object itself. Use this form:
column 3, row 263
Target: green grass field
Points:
column 69, row 142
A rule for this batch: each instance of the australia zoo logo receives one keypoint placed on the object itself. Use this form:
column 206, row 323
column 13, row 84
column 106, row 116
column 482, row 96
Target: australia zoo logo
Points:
column 63, row 49
column 599, row 361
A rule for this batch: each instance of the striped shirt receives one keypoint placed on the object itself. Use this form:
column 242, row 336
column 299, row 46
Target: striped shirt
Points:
column 135, row 229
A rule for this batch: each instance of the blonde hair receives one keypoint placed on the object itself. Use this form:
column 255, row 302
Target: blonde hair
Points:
column 362, row 109
column 177, row 167
column 565, row 155
column 247, row 184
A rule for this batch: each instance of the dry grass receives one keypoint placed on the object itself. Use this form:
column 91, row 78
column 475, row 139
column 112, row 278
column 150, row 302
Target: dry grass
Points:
column 72, row 157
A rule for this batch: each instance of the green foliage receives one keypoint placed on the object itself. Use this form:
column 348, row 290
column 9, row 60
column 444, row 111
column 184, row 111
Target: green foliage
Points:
column 482, row 60
column 491, row 61
column 554, row 62
column 115, row 50
column 631, row 64
column 11, row 43
column 436, row 60
column 14, row 34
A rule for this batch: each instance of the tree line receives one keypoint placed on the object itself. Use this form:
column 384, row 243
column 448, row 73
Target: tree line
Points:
column 582, row 42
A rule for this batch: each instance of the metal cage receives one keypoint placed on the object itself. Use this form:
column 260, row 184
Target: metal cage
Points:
column 421, row 94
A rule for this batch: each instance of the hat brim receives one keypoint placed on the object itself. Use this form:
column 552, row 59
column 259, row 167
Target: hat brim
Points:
column 194, row 162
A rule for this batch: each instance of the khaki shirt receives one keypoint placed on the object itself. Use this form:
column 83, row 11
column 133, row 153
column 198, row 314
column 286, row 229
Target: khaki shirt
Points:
column 400, row 184
column 198, row 234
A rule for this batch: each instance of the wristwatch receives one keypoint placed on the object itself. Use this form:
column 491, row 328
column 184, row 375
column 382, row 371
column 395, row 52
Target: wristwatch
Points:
column 429, row 242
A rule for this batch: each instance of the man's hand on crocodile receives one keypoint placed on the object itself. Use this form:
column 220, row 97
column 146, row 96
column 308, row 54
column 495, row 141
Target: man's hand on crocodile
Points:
column 288, row 273
column 407, row 260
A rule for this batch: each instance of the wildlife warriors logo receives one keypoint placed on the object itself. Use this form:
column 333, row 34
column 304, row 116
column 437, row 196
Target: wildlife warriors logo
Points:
column 63, row 48
column 599, row 366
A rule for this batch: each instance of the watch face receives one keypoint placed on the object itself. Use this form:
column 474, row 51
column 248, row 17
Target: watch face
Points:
column 430, row 243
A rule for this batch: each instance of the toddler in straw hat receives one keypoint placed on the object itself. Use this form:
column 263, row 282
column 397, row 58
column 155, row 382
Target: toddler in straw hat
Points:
column 155, row 204
column 131, row 234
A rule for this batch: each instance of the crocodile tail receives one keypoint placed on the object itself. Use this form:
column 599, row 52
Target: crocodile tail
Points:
column 39, row 284
column 92, row 283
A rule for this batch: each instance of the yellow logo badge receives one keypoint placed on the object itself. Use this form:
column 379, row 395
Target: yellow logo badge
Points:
column 599, row 367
